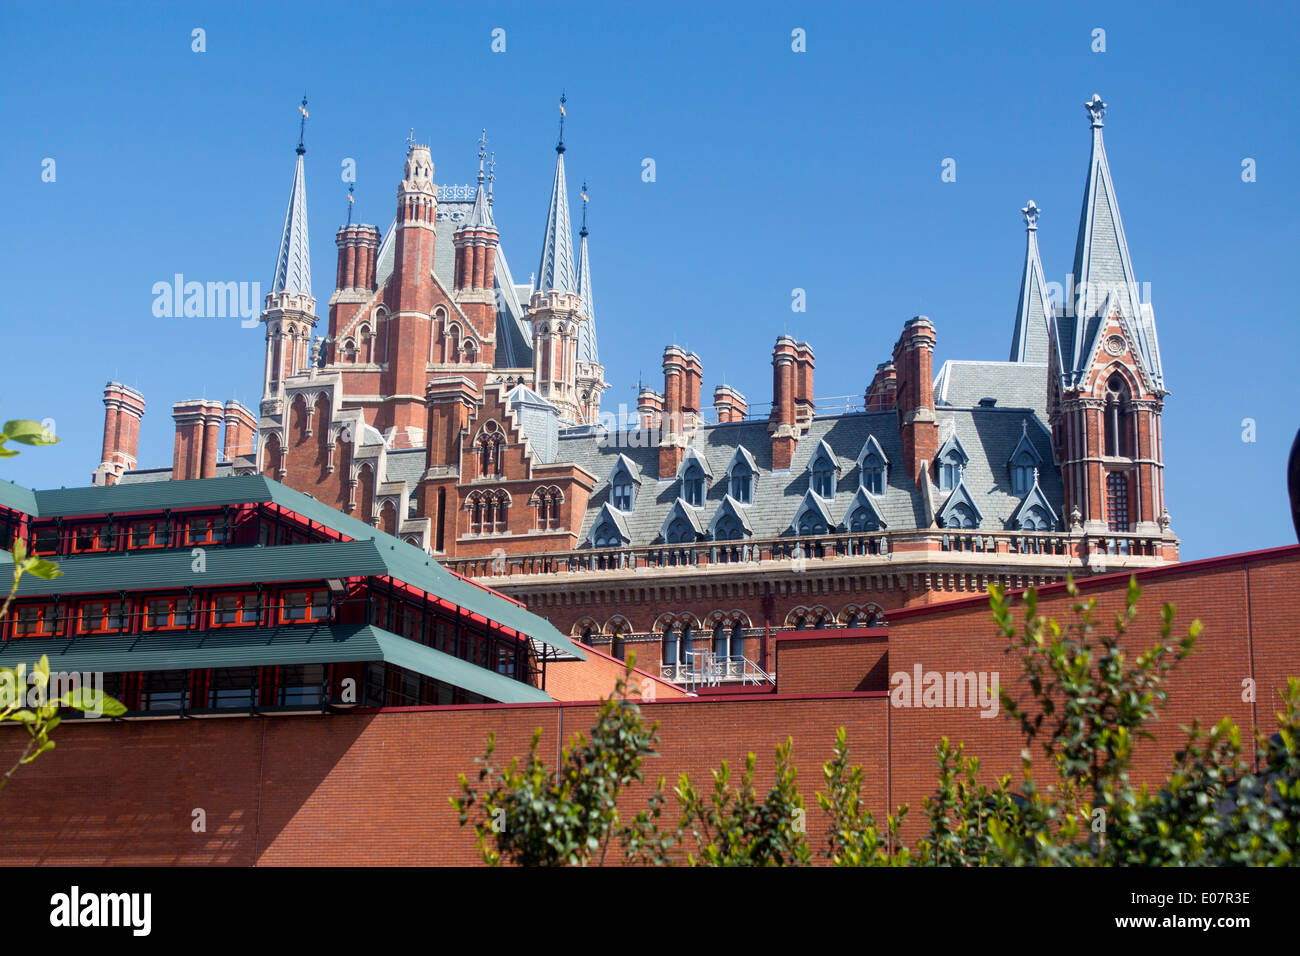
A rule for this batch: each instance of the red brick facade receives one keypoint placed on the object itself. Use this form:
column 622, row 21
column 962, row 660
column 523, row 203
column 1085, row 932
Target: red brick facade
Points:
column 372, row 788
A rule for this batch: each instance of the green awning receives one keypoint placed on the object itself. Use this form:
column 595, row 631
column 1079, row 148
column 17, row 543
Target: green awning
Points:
column 262, row 647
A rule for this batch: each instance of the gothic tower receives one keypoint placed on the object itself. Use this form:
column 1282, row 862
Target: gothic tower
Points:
column 477, row 242
column 556, row 310
column 1106, row 384
column 590, row 379
column 289, row 313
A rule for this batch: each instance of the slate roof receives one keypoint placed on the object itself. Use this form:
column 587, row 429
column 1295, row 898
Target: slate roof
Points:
column 989, row 436
column 963, row 384
column 293, row 263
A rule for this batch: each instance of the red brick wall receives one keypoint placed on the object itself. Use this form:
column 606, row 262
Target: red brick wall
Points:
column 373, row 788
column 595, row 677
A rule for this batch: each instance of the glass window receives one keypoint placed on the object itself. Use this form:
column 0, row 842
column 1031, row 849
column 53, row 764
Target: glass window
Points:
column 34, row 620
column 91, row 538
column 168, row 613
column 742, row 484
column 233, row 610
column 301, row 685
column 622, row 496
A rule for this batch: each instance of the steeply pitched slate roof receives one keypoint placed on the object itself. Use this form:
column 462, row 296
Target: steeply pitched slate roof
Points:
column 293, row 264
column 587, row 351
column 989, row 436
column 1103, row 269
column 556, row 269
column 963, row 384
column 1029, row 339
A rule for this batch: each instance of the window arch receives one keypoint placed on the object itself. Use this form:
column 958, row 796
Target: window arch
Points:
column 693, row 484
column 453, row 343
column 367, row 344
column 680, row 532
column 960, row 515
column 742, row 483
column 350, row 351
column 621, row 495
column 728, row 529
column 1022, row 472
column 823, row 477
column 1118, row 418
column 489, row 447
column 811, row 522
column 546, row 501
column 606, row 536
column 863, row 519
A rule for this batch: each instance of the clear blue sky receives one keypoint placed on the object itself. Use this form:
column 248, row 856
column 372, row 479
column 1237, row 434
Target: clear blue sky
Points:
column 775, row 170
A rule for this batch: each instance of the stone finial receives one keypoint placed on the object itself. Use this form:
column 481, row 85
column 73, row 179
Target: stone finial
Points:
column 1165, row 520
column 1030, row 212
column 1076, row 519
column 1096, row 109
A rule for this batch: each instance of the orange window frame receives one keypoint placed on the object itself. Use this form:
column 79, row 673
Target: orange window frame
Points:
column 101, row 538
column 207, row 530
column 51, row 531
column 314, row 604
column 175, row 609
column 247, row 610
column 102, row 617
column 42, row 616
column 156, row 535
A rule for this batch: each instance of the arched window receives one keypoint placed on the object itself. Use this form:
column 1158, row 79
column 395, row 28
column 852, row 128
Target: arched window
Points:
column 670, row 646
column 490, row 445
column 350, row 351
column 607, row 536
column 367, row 345
column 737, row 649
column 949, row 471
column 680, row 532
column 1035, row 519
column 617, row 643
column 960, row 516
column 1022, row 473
column 823, row 478
column 720, row 641
column 471, row 352
column 873, row 477
column 1117, row 501
column 811, row 522
column 863, row 519
column 742, row 483
column 693, row 484
column 1118, row 418
column 727, row 529
column 501, row 512
column 453, row 344
column 621, row 495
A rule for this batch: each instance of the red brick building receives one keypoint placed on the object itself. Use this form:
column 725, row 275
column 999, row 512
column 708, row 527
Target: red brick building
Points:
column 372, row 786
column 451, row 406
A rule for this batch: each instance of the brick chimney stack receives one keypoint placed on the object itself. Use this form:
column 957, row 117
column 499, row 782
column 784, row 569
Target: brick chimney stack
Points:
column 241, row 427
column 672, row 437
column 914, row 362
column 803, row 386
column 650, row 408
column 882, row 394
column 781, row 423
column 123, row 409
column 729, row 404
column 198, row 427
column 692, row 384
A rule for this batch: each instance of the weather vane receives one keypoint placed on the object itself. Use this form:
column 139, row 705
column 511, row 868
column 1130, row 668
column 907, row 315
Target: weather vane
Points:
column 302, row 124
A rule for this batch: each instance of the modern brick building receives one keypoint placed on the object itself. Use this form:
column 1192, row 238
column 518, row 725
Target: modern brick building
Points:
column 457, row 409
column 238, row 595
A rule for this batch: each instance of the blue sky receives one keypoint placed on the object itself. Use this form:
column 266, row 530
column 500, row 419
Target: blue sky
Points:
column 775, row 170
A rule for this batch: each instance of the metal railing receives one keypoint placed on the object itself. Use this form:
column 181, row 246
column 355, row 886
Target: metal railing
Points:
column 706, row 669
column 759, row 551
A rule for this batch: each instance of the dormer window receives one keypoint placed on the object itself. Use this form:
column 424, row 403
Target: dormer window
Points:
column 680, row 532
column 621, row 493
column 822, row 469
column 607, row 536
column 949, row 464
column 741, row 476
column 693, row 485
column 873, row 478
column 742, row 485
column 727, row 529
column 873, row 467
column 1022, row 474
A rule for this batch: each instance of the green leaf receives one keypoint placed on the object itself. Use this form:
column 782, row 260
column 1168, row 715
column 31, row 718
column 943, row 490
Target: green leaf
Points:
column 29, row 433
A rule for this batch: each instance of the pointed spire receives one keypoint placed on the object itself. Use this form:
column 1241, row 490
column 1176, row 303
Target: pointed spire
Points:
column 481, row 215
column 555, row 272
column 1103, row 269
column 1029, row 340
column 293, row 265
column 492, row 174
column 587, row 331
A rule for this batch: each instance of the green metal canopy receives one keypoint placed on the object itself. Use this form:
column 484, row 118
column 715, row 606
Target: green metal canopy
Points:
column 253, row 647
column 371, row 552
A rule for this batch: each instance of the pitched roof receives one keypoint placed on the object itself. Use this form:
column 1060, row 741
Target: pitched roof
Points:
column 963, row 384
column 1103, row 270
column 556, row 269
column 1029, row 340
column 293, row 264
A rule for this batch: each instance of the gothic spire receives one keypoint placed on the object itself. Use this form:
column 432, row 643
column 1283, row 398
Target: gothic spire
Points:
column 587, row 331
column 555, row 272
column 293, row 265
column 1103, row 269
column 1029, row 341
column 481, row 215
